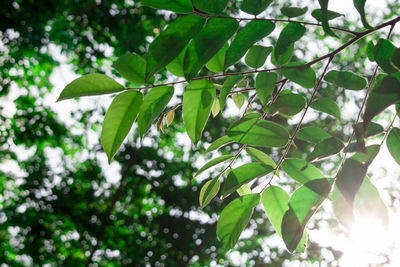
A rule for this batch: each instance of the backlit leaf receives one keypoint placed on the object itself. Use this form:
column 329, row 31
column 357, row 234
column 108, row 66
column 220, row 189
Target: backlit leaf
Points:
column 254, row 7
column 326, row 105
column 350, row 178
column 393, row 143
column 170, row 117
column 206, row 44
column 383, row 52
column 229, row 83
column 176, row 65
column 300, row 170
column 257, row 132
column 216, row 63
column 132, row 67
column 209, row 191
column 346, row 79
column 312, row 134
column 244, row 190
column 242, row 175
column 170, row 43
column 288, row 36
column 265, row 84
column 239, row 99
column 234, row 218
column 215, row 109
column 257, row 55
column 260, row 156
column 254, row 31
column 197, row 102
column 212, row 163
column 224, row 140
column 154, row 103
column 118, row 120
column 288, row 104
column 326, row 148
column 90, row 84
column 303, row 75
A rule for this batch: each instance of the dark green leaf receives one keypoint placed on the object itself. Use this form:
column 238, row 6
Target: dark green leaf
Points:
column 324, row 17
column 372, row 129
column 118, row 120
column 256, row 132
column 371, row 51
column 317, row 14
column 360, row 6
column 260, row 156
column 326, row 148
column 210, row 6
column 303, row 75
column 292, row 12
column 90, row 84
column 276, row 202
column 170, row 43
column 383, row 52
column 176, row 65
column 284, row 58
column 326, row 105
column 207, row 43
column 288, row 104
column 242, row 175
column 396, row 58
column 302, row 205
column 179, row 6
column 229, row 83
column 368, row 156
column 212, row 163
column 216, row 63
column 385, row 92
column 254, row 31
column 300, row 170
column 345, row 79
column 312, row 134
column 197, row 102
column 393, row 144
column 265, row 84
column 288, row 36
column 209, row 191
column 224, row 140
column 350, row 178
column 257, row 55
column 234, row 218
column 132, row 67
column 153, row 104
column 254, row 7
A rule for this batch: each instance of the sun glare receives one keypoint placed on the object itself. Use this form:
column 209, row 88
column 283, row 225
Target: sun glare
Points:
column 372, row 244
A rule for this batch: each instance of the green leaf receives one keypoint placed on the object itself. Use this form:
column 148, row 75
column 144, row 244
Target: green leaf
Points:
column 253, row 32
column 239, row 99
column 178, row 6
column 265, row 84
column 275, row 201
column 383, row 52
column 324, row 17
column 373, row 129
column 215, row 109
column 283, row 58
column 312, row 134
column 385, row 92
column 242, row 175
column 222, row 141
column 197, row 103
column 206, row 44
column 234, row 218
column 302, row 205
column 229, row 83
column 210, row 6
column 369, row 156
column 254, row 7
column 360, row 5
column 292, row 12
column 369, row 204
column 326, row 148
column 346, row 79
column 176, row 65
column 371, row 51
column 256, row 132
column 303, row 75
column 118, row 120
column 90, row 84
column 342, row 209
column 300, row 170
column 212, row 163
column 393, row 143
column 209, row 191
column 396, row 58
column 257, row 55
column 153, row 104
column 288, row 104
column 261, row 157
column 132, row 67
column 350, row 178
column 326, row 105
column 317, row 14
column 288, row 36
column 216, row 63
column 171, row 42
column 244, row 190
